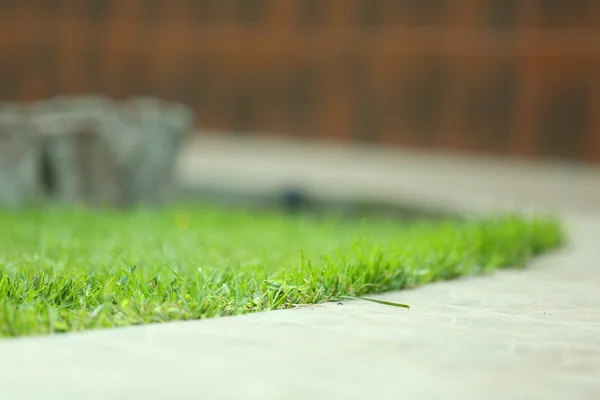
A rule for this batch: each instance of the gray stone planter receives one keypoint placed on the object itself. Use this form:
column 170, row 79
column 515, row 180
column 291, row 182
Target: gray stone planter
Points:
column 79, row 163
column 148, row 135
column 93, row 151
column 20, row 149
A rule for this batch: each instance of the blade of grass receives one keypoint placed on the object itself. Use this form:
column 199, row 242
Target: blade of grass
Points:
column 384, row 302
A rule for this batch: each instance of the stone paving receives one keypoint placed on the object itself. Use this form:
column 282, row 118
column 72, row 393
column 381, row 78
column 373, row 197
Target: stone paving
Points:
column 530, row 334
column 452, row 182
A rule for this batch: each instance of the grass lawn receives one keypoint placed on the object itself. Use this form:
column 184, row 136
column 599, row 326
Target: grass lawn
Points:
column 73, row 270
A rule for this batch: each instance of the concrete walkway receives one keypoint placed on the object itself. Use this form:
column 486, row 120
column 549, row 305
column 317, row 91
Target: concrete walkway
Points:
column 389, row 175
column 532, row 334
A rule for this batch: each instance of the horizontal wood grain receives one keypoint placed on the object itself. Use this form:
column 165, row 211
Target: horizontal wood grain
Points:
column 503, row 76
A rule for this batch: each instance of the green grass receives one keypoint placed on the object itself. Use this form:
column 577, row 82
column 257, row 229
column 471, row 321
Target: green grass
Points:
column 74, row 270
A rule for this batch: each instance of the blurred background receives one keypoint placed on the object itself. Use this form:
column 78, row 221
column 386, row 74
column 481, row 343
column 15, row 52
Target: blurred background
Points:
column 511, row 77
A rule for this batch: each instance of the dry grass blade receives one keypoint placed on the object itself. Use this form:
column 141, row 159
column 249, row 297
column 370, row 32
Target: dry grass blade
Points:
column 384, row 302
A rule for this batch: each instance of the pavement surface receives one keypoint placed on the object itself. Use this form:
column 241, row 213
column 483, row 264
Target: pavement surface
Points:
column 530, row 334
column 436, row 180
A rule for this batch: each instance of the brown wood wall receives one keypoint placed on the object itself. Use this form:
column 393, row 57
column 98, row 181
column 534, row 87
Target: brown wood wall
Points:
column 507, row 76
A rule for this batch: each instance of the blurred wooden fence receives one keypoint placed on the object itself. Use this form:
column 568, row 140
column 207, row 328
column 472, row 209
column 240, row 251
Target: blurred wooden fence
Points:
column 506, row 76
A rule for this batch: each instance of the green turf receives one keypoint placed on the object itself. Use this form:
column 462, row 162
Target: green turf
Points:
column 73, row 270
